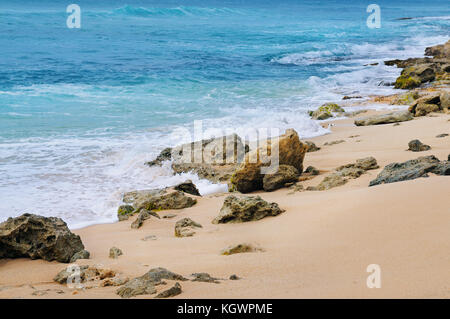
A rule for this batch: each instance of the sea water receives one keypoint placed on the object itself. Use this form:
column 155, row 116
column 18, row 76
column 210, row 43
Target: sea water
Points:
column 81, row 110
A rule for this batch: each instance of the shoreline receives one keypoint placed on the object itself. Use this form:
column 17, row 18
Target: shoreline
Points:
column 319, row 247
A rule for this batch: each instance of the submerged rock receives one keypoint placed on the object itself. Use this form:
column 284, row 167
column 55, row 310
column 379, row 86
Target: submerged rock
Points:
column 240, row 248
column 33, row 236
column 244, row 209
column 185, row 227
column 249, row 176
column 188, row 187
column 283, row 175
column 171, row 292
column 417, row 146
column 393, row 117
column 165, row 155
column 412, row 169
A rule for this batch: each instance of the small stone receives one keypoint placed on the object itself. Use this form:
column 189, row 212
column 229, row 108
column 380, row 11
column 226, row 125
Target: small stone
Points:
column 169, row 216
column 115, row 252
column 171, row 292
column 240, row 248
column 442, row 135
column 185, row 227
column 83, row 254
column 234, row 277
column 150, row 237
column 205, row 277
column 417, row 146
column 334, row 142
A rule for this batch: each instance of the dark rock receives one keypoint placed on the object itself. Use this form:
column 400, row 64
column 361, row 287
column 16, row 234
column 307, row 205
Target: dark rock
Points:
column 188, row 187
column 412, row 169
column 244, row 209
column 442, row 135
column 33, row 236
column 165, row 155
column 205, row 277
column 185, row 227
column 144, row 214
column 283, row 175
column 83, row 254
column 311, row 170
column 417, row 146
column 171, row 292
column 311, row 146
column 124, row 212
column 234, row 277
column 367, row 163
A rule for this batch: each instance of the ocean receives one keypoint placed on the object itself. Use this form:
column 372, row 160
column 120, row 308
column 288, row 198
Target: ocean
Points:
column 82, row 110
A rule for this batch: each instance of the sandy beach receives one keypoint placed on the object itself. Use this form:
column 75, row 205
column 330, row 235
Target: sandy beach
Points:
column 319, row 247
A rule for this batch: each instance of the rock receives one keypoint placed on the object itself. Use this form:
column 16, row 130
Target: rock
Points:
column 159, row 200
column 165, row 155
column 354, row 113
column 331, row 181
column 426, row 104
column 424, row 109
column 249, row 176
column 442, row 135
column 115, row 252
column 326, row 111
column 393, row 117
column 412, row 169
column 149, row 237
column 334, row 142
column 296, row 188
column 84, row 273
column 352, row 172
column 346, row 97
column 417, row 146
column 33, row 236
column 145, row 284
column 234, row 277
column 311, row 147
column 284, row 174
column 311, row 170
column 115, row 281
column 171, row 292
column 244, row 209
column 169, row 216
column 205, row 277
column 82, row 254
column 240, row 248
column 185, row 227
column 144, row 214
column 444, row 98
column 367, row 163
column 414, row 75
column 188, row 187
column 439, row 51
column 124, row 212
column 443, row 168
column 46, row 291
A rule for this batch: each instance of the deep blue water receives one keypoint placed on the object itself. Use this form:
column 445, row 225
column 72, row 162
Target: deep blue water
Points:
column 82, row 109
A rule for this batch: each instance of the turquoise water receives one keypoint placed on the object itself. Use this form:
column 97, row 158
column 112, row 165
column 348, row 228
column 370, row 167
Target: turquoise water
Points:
column 82, row 109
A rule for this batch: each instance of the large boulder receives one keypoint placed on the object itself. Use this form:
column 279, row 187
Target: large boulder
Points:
column 249, row 176
column 412, row 169
column 392, row 117
column 33, row 236
column 244, row 209
column 280, row 177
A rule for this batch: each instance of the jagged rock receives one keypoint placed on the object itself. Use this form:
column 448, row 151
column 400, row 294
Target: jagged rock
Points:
column 185, row 227
column 393, row 117
column 234, row 277
column 33, row 236
column 124, row 212
column 144, row 214
column 244, row 209
column 417, row 146
column 159, row 200
column 171, row 292
column 283, row 175
column 311, row 170
column 249, row 176
column 115, row 252
column 367, row 163
column 82, row 254
column 165, row 155
column 240, row 248
column 83, row 273
column 412, row 169
column 326, row 111
column 311, row 146
column 205, row 277
column 188, row 187
column 145, row 284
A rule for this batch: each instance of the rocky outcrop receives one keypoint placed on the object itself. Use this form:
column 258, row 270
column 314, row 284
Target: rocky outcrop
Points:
column 145, row 284
column 244, row 209
column 393, row 117
column 249, row 176
column 33, row 236
column 326, row 111
column 159, row 200
column 240, row 248
column 115, row 252
column 186, row 227
column 417, row 146
column 188, row 187
column 283, row 175
column 412, row 169
column 171, row 292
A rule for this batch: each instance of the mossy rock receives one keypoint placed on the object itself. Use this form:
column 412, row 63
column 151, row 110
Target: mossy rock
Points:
column 326, row 111
column 124, row 212
column 407, row 82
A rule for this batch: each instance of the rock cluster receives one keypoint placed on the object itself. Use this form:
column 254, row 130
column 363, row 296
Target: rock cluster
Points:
column 33, row 236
